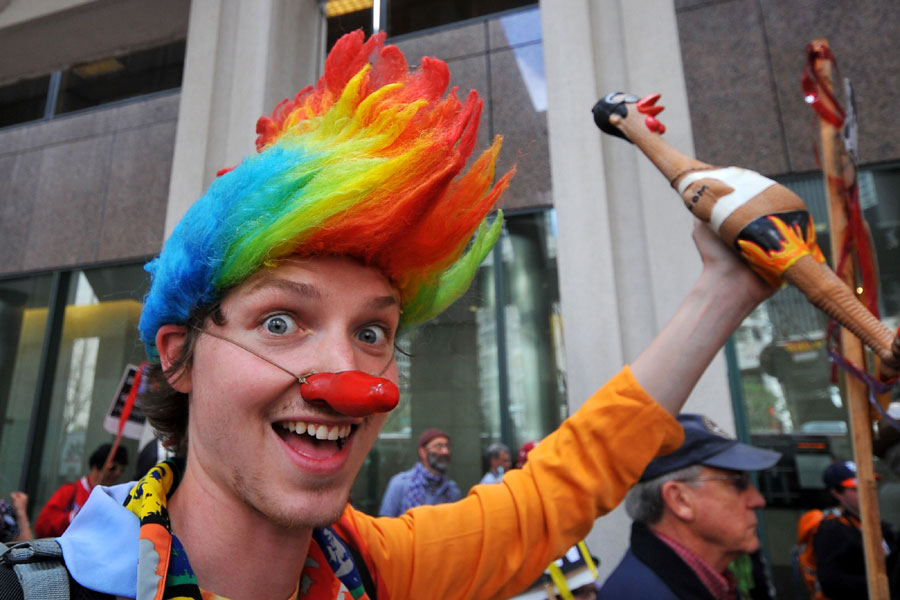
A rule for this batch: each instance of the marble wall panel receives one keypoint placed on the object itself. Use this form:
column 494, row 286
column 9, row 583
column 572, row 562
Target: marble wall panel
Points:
column 446, row 44
column 88, row 187
column 743, row 65
column 68, row 204
column 18, row 181
column 734, row 108
column 518, row 111
column 862, row 36
column 161, row 107
column 135, row 204
column 60, row 130
column 471, row 73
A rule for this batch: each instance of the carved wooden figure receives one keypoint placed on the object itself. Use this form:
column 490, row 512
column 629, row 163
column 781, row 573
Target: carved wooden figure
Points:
column 766, row 223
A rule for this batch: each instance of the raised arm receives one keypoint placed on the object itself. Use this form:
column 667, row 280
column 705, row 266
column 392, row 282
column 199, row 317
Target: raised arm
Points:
column 724, row 294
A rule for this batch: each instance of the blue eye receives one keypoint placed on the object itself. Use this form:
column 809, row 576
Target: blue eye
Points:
column 372, row 334
column 279, row 324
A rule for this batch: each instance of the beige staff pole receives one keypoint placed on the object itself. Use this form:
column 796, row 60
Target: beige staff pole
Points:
column 839, row 174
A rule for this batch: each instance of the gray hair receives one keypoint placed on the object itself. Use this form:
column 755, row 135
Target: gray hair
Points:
column 644, row 502
column 496, row 449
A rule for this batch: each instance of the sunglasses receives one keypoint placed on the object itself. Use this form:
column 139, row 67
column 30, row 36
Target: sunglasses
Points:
column 740, row 480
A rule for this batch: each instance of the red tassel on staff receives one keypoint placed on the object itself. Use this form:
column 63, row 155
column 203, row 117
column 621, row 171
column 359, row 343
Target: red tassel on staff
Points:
column 848, row 236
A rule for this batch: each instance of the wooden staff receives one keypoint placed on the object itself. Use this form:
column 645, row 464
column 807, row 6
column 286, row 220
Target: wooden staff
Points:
column 839, row 175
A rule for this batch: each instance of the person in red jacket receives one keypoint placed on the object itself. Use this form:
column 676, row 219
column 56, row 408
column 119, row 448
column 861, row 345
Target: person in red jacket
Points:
column 65, row 502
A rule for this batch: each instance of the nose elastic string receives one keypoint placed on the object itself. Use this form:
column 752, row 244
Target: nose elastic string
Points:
column 353, row 393
column 300, row 378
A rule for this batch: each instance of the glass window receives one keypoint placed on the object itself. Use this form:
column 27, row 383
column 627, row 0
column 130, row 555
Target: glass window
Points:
column 782, row 356
column 456, row 374
column 23, row 319
column 99, row 338
column 790, row 400
column 407, row 16
column 23, row 101
column 535, row 357
column 344, row 16
column 116, row 78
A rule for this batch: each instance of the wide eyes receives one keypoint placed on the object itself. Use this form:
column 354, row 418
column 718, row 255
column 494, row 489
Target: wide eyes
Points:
column 282, row 324
column 279, row 324
column 372, row 334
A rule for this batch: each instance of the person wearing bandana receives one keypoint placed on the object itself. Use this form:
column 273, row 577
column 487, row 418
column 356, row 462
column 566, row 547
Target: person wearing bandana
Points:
column 426, row 482
column 271, row 322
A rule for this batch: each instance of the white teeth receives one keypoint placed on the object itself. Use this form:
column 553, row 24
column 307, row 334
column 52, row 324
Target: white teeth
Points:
column 321, row 432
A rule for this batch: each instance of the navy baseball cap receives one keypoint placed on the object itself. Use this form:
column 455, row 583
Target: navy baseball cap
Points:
column 705, row 443
column 840, row 474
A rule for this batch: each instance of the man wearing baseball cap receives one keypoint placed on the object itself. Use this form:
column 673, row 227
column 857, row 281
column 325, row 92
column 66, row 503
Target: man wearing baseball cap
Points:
column 426, row 482
column 694, row 512
column 838, row 542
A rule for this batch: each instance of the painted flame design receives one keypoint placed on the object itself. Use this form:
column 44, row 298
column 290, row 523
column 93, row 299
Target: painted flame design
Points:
column 771, row 264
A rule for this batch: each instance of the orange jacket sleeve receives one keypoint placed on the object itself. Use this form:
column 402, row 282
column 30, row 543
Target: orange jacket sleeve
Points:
column 498, row 540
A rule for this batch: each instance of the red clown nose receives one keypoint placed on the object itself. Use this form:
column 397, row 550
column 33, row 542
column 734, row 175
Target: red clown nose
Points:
column 353, row 393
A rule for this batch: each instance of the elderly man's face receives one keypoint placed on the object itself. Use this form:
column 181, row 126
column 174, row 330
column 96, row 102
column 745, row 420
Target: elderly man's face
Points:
column 436, row 454
column 501, row 461
column 724, row 510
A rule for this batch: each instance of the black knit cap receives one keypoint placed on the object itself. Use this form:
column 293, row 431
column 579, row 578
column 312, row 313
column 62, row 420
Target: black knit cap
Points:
column 705, row 443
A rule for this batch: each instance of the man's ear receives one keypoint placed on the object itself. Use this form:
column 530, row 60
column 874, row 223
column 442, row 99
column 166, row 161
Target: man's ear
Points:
column 678, row 500
column 170, row 339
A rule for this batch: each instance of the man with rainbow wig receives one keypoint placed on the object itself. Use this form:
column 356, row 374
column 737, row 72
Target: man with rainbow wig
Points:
column 271, row 322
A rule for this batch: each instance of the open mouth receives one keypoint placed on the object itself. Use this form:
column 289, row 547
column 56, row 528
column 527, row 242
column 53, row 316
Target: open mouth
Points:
column 315, row 440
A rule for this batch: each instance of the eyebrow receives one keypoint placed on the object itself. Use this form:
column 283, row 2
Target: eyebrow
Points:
column 308, row 290
column 305, row 290
column 380, row 302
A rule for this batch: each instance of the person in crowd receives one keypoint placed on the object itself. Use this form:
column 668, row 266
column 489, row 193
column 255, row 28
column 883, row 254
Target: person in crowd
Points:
column 426, row 482
column 68, row 499
column 271, row 322
column 694, row 512
column 14, row 523
column 522, row 455
column 571, row 577
column 838, row 541
column 498, row 463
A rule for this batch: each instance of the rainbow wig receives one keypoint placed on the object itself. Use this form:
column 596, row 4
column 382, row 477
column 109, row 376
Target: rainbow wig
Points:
column 365, row 164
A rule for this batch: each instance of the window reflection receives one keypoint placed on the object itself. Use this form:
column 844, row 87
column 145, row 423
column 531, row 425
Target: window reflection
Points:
column 99, row 338
column 463, row 378
column 782, row 356
column 23, row 316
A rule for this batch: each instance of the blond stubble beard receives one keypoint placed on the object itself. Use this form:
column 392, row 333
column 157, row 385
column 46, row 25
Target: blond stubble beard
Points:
column 285, row 519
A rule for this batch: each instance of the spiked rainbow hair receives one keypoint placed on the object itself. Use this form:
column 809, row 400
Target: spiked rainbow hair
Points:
column 365, row 164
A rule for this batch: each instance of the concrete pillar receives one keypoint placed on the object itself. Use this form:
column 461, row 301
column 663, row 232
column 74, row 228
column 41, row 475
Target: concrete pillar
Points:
column 242, row 59
column 626, row 257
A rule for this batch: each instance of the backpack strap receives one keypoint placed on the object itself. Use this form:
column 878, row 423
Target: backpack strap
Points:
column 39, row 566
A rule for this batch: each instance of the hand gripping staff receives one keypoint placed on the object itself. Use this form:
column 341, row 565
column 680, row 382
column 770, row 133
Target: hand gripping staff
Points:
column 765, row 222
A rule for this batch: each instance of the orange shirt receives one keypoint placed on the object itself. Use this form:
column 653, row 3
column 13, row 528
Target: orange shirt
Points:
column 497, row 540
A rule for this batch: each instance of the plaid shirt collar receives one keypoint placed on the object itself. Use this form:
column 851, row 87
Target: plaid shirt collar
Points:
column 723, row 586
